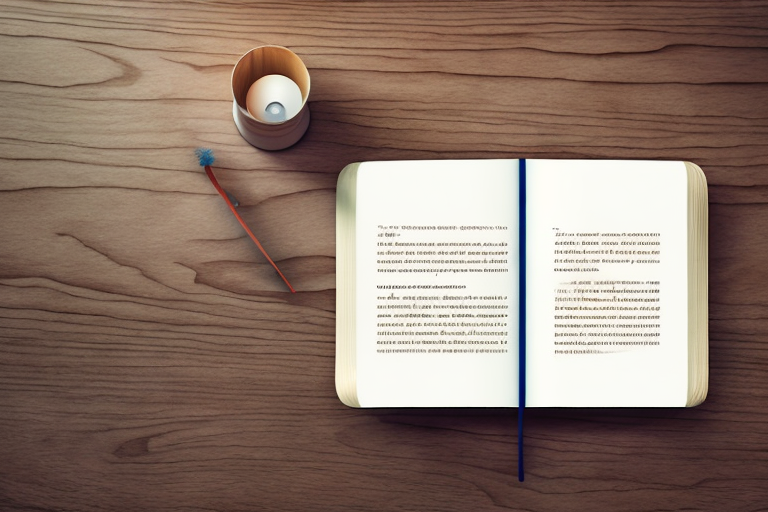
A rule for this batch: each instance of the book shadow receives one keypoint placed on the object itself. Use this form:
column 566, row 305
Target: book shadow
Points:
column 555, row 439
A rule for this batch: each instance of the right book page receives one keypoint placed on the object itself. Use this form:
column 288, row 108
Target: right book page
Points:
column 607, row 271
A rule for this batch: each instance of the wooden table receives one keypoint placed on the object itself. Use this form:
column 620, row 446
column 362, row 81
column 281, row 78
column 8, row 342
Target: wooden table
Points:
column 151, row 360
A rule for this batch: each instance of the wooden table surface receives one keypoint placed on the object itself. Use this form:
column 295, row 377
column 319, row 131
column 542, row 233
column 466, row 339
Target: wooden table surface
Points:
column 151, row 360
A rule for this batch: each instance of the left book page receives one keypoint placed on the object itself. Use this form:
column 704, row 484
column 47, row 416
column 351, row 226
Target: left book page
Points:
column 427, row 274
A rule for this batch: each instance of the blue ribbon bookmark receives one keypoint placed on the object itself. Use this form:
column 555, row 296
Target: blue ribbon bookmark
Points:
column 521, row 324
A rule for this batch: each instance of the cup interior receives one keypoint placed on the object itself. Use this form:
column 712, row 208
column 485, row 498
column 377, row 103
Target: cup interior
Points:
column 268, row 60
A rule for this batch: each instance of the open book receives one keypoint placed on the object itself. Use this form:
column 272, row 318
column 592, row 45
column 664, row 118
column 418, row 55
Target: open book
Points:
column 429, row 284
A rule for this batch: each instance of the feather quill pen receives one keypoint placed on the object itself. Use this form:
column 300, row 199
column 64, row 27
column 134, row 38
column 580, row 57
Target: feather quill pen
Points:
column 206, row 159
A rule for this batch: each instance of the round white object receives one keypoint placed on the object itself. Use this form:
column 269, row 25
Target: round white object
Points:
column 273, row 99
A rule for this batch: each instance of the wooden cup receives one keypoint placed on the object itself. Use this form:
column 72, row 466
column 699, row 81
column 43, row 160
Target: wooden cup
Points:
column 259, row 62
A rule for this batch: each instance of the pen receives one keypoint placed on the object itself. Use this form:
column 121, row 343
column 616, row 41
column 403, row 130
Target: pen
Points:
column 521, row 323
column 205, row 157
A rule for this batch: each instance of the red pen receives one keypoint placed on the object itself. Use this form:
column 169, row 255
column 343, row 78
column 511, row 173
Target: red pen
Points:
column 205, row 157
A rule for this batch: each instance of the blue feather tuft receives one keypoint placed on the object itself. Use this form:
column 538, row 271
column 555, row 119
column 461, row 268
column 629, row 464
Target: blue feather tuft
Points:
column 204, row 156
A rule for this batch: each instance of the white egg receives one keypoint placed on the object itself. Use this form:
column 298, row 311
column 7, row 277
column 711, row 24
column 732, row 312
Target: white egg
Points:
column 273, row 99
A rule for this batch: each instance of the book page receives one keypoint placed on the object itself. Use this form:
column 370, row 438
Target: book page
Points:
column 607, row 284
column 437, row 283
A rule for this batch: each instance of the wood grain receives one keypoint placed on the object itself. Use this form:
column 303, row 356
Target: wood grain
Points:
column 151, row 360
